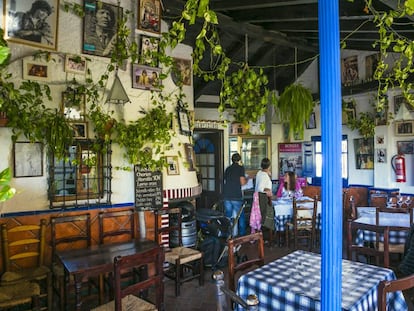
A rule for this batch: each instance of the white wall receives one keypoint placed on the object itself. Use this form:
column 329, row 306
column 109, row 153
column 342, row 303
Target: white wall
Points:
column 32, row 192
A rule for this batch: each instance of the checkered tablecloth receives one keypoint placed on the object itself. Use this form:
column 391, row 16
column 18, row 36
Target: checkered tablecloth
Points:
column 281, row 220
column 396, row 237
column 292, row 283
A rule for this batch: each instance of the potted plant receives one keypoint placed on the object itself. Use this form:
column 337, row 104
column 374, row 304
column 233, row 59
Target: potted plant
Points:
column 294, row 107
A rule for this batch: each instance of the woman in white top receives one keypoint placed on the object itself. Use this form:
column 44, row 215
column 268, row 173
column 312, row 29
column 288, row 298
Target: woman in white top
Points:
column 263, row 181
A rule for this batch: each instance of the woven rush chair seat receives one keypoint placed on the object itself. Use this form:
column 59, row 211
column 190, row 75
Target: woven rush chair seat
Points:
column 129, row 302
column 19, row 294
column 185, row 255
column 14, row 277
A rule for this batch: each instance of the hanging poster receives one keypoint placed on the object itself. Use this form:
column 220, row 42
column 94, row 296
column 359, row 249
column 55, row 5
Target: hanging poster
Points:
column 290, row 158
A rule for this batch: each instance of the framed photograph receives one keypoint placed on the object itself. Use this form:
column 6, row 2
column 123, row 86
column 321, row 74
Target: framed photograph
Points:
column 348, row 111
column 148, row 51
column 380, row 140
column 364, row 153
column 75, row 64
column 404, row 128
column 149, row 15
column 28, row 159
column 398, row 101
column 73, row 106
column 80, row 130
column 172, row 165
column 190, row 156
column 100, row 27
column 311, row 124
column 146, row 78
column 184, row 120
column 371, row 63
column 381, row 155
column 405, row 147
column 350, row 70
column 19, row 25
column 181, row 71
column 36, row 70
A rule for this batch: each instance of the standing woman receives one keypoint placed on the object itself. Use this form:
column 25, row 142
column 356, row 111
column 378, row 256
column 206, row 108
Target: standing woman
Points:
column 264, row 189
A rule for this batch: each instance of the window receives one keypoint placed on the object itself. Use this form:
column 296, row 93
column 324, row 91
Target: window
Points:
column 316, row 180
column 82, row 178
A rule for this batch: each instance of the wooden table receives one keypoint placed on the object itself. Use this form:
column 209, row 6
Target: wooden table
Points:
column 91, row 262
column 293, row 282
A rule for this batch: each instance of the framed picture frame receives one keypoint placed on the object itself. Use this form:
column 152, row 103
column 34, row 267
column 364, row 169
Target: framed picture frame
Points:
column 75, row 64
column 404, row 128
column 80, row 130
column 348, row 111
column 172, row 165
column 181, row 72
column 28, row 159
column 148, row 51
column 371, row 64
column 149, row 16
column 43, row 34
column 100, row 27
column 364, row 153
column 405, row 147
column 184, row 120
column 311, row 124
column 73, row 106
column 145, row 77
column 190, row 156
column 381, row 155
column 36, row 70
column 350, row 74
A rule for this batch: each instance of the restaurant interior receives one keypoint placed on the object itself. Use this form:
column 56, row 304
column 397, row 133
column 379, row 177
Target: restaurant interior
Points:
column 115, row 140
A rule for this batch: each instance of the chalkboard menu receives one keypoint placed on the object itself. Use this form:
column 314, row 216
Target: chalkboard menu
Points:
column 148, row 189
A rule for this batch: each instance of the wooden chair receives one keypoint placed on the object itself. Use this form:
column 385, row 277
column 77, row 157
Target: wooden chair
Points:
column 20, row 294
column 394, row 248
column 124, row 298
column 185, row 263
column 68, row 232
column 23, row 250
column 256, row 258
column 303, row 224
column 368, row 250
column 386, row 287
column 116, row 226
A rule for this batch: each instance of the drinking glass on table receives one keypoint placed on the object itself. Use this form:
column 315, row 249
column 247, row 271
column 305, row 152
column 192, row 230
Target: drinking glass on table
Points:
column 400, row 201
column 408, row 201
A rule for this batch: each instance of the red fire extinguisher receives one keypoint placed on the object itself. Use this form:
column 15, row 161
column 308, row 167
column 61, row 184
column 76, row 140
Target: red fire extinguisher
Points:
column 398, row 165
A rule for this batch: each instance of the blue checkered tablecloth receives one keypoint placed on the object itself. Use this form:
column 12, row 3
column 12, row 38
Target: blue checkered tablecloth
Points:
column 292, row 283
column 281, row 220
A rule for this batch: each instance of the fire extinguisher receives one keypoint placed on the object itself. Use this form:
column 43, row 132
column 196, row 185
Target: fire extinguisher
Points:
column 398, row 165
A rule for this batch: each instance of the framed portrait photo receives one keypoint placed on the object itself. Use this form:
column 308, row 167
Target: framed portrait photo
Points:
column 181, row 72
column 311, row 124
column 19, row 25
column 36, row 70
column 80, row 130
column 404, row 128
column 100, row 27
column 73, row 106
column 75, row 64
column 149, row 15
column 145, row 77
column 190, row 156
column 184, row 121
column 148, row 51
column 172, row 165
column 28, row 159
column 405, row 147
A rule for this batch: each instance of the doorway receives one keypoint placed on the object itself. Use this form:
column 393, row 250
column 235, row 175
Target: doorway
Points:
column 208, row 149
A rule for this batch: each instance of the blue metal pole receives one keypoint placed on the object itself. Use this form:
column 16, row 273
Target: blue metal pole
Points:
column 331, row 124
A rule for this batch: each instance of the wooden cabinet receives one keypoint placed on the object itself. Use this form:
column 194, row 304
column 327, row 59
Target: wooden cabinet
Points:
column 252, row 150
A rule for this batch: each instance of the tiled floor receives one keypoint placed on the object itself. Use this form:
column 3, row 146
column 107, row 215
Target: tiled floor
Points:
column 196, row 298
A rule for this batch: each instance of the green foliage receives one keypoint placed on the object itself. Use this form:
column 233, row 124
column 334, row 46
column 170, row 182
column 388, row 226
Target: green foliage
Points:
column 295, row 106
column 365, row 124
column 6, row 192
column 391, row 41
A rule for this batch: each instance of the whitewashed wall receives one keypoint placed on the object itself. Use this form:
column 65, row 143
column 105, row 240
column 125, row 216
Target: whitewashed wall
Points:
column 32, row 191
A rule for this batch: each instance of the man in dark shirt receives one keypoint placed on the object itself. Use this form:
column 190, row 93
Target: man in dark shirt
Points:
column 234, row 178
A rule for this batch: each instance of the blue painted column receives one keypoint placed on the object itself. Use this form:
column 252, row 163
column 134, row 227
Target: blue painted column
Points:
column 331, row 124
